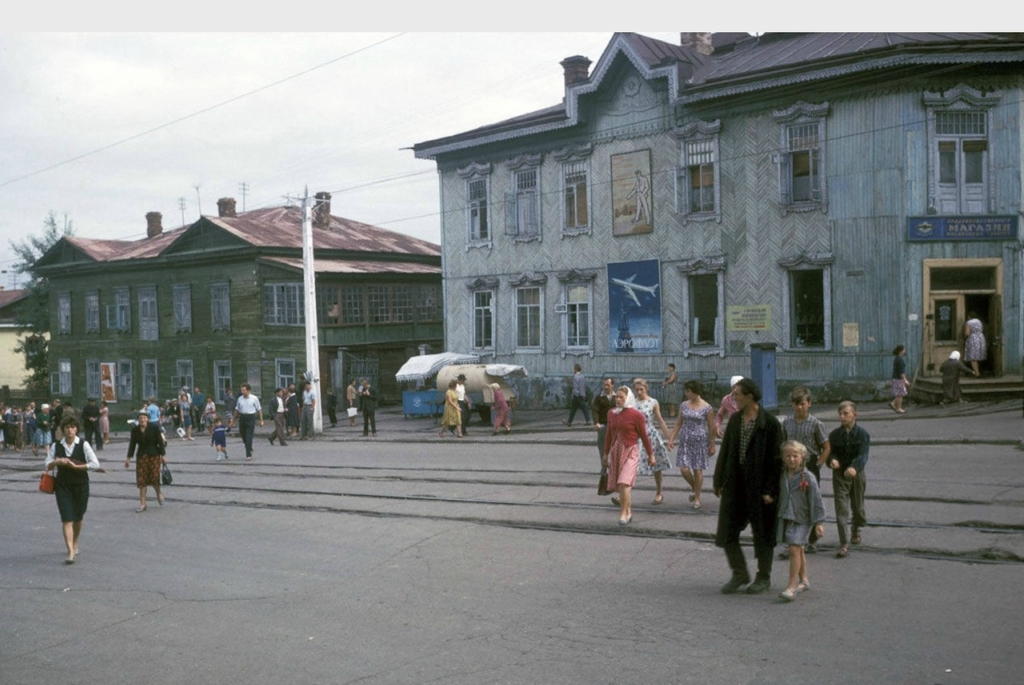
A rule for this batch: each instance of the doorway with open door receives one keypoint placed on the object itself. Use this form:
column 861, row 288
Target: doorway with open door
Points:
column 957, row 290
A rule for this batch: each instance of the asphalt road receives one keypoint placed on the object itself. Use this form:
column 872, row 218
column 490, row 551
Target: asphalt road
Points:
column 492, row 560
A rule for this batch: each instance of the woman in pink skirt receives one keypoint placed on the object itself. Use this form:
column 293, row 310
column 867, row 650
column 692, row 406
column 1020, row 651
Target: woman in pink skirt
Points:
column 501, row 416
column 626, row 428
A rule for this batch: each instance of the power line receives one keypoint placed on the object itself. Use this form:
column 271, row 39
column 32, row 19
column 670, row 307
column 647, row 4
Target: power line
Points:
column 195, row 114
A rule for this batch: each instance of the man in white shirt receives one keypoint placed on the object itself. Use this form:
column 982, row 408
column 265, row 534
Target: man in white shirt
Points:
column 247, row 412
column 308, row 407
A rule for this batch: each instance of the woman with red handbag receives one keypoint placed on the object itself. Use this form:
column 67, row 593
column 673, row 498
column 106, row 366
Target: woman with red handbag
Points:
column 73, row 458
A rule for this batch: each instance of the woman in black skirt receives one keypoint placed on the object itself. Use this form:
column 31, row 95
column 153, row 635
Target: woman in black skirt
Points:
column 147, row 444
column 73, row 458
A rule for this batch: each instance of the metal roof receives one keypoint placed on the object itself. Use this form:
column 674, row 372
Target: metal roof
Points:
column 740, row 64
column 354, row 266
column 273, row 228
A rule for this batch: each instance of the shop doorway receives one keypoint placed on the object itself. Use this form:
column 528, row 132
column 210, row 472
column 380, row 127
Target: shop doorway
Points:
column 955, row 290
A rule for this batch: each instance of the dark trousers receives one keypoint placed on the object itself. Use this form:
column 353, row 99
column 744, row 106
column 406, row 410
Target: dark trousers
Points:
column 332, row 416
column 579, row 403
column 736, row 512
column 93, row 436
column 464, row 406
column 369, row 421
column 246, row 428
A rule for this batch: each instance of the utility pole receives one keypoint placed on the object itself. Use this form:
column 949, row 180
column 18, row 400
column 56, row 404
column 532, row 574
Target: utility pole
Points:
column 243, row 188
column 181, row 206
column 199, row 201
column 312, row 341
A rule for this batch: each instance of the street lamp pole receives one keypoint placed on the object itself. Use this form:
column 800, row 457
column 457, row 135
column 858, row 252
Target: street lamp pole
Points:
column 309, row 279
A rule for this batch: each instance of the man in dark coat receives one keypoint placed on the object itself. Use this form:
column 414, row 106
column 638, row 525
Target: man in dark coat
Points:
column 747, row 481
column 91, row 423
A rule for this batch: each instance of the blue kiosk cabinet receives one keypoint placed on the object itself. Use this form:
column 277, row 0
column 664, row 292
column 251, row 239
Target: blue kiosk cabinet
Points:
column 762, row 371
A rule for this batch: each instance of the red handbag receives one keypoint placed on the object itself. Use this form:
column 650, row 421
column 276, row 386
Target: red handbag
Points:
column 46, row 482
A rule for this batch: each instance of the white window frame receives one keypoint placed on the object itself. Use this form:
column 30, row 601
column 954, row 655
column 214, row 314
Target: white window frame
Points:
column 220, row 306
column 532, row 311
column 807, row 262
column 579, row 310
column 92, row 311
column 64, row 313
column 182, row 308
column 124, row 379
column 704, row 266
column 700, row 134
column 119, row 314
column 150, row 379
column 149, row 314
column 60, row 380
column 185, row 375
column 475, row 175
column 488, row 312
column 803, row 117
column 284, row 304
column 221, row 378
column 284, row 379
column 959, row 197
column 523, row 221
column 92, row 378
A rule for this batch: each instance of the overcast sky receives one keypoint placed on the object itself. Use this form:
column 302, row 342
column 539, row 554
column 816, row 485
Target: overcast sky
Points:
column 105, row 127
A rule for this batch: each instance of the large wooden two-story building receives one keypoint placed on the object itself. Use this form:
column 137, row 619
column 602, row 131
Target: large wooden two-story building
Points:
column 833, row 194
column 221, row 301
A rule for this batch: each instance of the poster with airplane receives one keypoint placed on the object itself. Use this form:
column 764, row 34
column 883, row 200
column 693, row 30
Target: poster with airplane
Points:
column 634, row 307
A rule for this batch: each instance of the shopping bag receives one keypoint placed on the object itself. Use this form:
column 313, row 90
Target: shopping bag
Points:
column 602, row 484
column 46, row 483
column 165, row 475
column 352, row 411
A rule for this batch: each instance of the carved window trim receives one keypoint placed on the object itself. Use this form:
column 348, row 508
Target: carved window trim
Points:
column 568, row 157
column 516, row 209
column 698, row 132
column 960, row 98
column 471, row 173
column 703, row 266
column 568, row 279
column 807, row 114
column 808, row 261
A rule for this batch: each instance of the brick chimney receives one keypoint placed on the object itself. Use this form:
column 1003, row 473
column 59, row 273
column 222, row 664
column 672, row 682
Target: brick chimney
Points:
column 576, row 69
column 226, row 206
column 701, row 42
column 322, row 210
column 154, row 224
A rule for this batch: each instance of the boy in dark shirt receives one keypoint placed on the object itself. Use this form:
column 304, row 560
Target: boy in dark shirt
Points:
column 850, row 444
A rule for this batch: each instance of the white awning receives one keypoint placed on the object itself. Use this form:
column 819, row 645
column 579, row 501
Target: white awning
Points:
column 424, row 366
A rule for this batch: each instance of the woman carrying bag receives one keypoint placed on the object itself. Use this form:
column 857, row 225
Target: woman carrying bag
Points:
column 147, row 445
column 73, row 458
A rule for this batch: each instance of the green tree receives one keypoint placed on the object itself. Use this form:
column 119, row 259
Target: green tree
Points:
column 33, row 316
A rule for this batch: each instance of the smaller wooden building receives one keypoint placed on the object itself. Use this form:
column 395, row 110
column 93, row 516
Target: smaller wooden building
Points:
column 221, row 301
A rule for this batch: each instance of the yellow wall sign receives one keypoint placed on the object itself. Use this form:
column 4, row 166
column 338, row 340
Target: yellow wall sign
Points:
column 748, row 317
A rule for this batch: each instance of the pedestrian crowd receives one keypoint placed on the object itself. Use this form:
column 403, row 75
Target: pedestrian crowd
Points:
column 766, row 475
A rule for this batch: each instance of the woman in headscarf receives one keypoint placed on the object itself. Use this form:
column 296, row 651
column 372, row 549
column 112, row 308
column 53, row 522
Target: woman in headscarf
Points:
column 975, row 347
column 501, row 413
column 951, row 370
column 626, row 428
column 147, row 445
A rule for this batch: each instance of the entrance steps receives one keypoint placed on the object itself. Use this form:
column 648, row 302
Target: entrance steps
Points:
column 928, row 390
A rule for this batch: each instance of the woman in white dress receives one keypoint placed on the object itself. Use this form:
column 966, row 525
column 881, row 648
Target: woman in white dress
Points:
column 656, row 430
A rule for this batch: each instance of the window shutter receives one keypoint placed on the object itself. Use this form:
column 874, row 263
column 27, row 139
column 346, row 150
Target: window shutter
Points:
column 785, row 179
column 511, row 216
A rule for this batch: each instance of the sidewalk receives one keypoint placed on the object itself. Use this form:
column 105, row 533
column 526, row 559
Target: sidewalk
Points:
column 992, row 423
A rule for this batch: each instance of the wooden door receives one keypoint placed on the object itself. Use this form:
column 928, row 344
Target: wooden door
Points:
column 944, row 330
